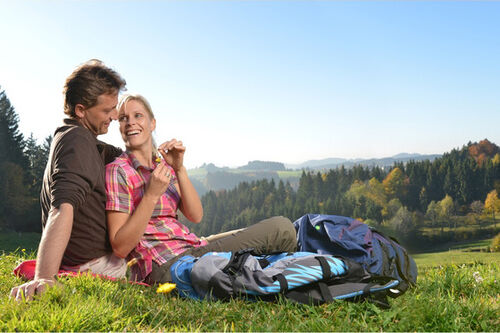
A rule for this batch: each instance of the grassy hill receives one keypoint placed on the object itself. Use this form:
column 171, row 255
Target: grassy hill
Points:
column 457, row 291
column 225, row 178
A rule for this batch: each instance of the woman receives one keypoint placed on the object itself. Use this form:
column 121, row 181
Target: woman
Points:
column 144, row 193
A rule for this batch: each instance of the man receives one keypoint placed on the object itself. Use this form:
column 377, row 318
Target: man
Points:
column 73, row 193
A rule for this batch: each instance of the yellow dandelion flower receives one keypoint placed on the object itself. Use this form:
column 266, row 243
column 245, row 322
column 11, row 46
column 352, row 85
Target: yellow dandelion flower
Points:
column 158, row 159
column 132, row 262
column 165, row 288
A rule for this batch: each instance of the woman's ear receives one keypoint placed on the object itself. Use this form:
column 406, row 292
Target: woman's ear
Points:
column 153, row 124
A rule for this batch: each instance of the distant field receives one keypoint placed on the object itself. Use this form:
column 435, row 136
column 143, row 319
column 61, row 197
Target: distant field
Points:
column 455, row 257
column 197, row 173
column 10, row 241
column 290, row 174
column 465, row 253
column 200, row 172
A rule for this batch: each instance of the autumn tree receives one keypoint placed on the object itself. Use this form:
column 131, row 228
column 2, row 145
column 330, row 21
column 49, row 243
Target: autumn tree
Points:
column 492, row 205
column 396, row 184
column 496, row 159
column 483, row 151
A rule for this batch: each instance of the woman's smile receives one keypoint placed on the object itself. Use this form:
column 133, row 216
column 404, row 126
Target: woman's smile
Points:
column 136, row 126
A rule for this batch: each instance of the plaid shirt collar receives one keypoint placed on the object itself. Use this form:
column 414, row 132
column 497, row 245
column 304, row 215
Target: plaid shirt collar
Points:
column 136, row 164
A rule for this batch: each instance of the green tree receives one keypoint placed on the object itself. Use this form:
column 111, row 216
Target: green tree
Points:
column 433, row 213
column 391, row 208
column 37, row 157
column 11, row 140
column 17, row 203
column 15, row 199
column 423, row 198
column 403, row 222
column 477, row 208
column 447, row 207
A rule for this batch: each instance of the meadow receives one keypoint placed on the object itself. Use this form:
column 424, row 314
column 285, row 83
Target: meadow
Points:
column 457, row 290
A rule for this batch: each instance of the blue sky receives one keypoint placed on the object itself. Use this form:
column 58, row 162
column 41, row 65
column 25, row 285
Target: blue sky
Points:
column 284, row 81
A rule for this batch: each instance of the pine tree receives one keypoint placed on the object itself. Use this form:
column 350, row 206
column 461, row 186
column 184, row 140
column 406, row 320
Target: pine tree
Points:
column 37, row 157
column 15, row 200
column 11, row 140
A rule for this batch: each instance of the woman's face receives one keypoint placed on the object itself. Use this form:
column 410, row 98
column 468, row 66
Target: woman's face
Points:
column 136, row 125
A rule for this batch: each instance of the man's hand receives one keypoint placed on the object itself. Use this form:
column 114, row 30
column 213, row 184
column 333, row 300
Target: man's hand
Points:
column 25, row 292
column 54, row 240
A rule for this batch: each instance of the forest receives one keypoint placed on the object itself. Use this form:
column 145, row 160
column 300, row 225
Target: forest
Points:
column 452, row 198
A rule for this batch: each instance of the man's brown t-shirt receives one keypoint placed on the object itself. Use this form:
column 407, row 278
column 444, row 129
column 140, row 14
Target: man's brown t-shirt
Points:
column 75, row 174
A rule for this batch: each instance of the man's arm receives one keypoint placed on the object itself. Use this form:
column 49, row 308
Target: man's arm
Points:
column 55, row 238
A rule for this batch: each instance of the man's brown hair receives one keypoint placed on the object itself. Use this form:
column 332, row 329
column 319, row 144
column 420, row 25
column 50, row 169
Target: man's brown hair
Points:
column 87, row 82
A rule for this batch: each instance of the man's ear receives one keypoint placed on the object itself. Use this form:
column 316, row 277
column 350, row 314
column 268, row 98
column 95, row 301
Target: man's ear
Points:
column 79, row 111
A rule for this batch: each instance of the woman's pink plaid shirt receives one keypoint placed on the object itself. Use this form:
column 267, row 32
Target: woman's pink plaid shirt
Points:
column 165, row 236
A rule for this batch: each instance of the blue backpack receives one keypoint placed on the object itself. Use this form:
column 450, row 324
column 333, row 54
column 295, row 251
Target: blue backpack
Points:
column 380, row 256
column 303, row 277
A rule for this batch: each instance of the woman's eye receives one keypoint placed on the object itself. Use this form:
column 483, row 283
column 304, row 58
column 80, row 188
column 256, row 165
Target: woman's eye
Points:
column 122, row 118
column 138, row 115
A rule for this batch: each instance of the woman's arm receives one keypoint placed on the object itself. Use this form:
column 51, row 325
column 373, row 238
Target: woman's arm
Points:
column 173, row 153
column 190, row 201
column 125, row 230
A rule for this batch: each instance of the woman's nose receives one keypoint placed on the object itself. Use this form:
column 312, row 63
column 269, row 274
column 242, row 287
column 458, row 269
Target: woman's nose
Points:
column 130, row 121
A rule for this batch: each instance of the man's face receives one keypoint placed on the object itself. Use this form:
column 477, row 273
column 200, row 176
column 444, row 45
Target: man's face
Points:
column 97, row 118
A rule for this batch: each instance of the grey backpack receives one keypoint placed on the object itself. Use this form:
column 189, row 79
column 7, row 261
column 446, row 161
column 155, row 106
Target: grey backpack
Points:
column 302, row 277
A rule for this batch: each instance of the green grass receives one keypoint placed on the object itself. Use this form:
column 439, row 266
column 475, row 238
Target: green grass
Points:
column 447, row 298
column 484, row 243
column 455, row 257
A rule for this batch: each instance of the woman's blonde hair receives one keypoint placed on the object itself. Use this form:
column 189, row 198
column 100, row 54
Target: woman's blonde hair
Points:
column 139, row 98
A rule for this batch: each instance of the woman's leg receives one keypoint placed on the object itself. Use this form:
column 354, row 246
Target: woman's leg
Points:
column 275, row 234
column 213, row 238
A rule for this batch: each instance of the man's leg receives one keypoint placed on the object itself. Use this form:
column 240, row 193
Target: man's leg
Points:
column 275, row 234
column 109, row 265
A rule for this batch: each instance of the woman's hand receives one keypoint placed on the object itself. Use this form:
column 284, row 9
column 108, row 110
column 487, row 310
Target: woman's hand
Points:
column 173, row 153
column 159, row 181
column 190, row 204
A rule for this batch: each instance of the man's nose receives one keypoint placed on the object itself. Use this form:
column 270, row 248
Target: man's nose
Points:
column 114, row 114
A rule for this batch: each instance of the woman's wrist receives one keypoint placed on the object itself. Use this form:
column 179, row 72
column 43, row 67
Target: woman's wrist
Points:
column 153, row 198
column 180, row 170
